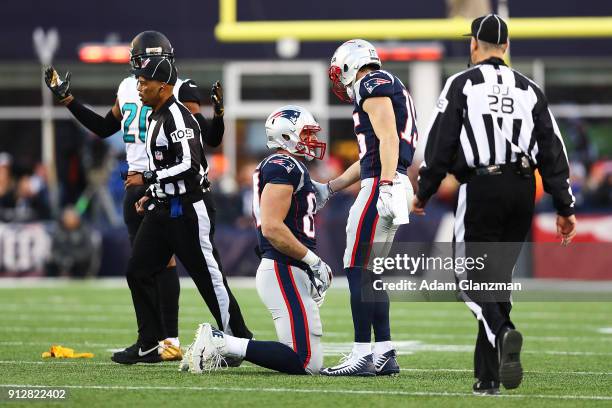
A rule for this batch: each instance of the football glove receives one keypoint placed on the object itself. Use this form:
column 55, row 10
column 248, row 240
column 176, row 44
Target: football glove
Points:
column 318, row 297
column 323, row 193
column 60, row 88
column 216, row 96
column 322, row 274
column 384, row 205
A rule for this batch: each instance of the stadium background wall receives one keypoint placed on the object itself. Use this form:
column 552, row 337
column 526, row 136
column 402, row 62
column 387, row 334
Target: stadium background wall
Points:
column 192, row 31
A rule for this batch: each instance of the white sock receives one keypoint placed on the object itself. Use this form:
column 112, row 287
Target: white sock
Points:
column 362, row 349
column 381, row 347
column 236, row 346
column 175, row 341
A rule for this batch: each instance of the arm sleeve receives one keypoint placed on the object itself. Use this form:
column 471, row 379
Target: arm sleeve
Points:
column 552, row 157
column 280, row 170
column 212, row 134
column 442, row 139
column 101, row 126
column 186, row 142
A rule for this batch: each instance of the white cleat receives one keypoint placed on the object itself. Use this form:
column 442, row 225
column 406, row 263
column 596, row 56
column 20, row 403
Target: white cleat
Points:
column 184, row 364
column 208, row 349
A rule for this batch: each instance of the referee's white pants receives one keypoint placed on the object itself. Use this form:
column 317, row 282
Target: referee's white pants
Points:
column 286, row 292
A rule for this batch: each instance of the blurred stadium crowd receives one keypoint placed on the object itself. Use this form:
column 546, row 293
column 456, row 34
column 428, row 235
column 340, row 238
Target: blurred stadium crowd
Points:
column 66, row 232
column 93, row 176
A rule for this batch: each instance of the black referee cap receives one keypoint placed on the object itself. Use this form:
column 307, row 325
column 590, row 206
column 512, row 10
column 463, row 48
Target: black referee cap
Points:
column 490, row 28
column 157, row 68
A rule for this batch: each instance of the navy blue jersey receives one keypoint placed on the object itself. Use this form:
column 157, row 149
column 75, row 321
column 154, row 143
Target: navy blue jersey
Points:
column 284, row 169
column 376, row 84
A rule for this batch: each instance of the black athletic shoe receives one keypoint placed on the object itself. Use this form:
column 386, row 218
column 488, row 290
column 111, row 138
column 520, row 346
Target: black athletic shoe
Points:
column 386, row 364
column 510, row 369
column 485, row 388
column 352, row 366
column 137, row 354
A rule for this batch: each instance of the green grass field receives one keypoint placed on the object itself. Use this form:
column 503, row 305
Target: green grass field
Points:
column 567, row 354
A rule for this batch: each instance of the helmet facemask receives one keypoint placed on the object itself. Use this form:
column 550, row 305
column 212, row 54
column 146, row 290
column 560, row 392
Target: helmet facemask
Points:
column 309, row 146
column 339, row 89
column 136, row 60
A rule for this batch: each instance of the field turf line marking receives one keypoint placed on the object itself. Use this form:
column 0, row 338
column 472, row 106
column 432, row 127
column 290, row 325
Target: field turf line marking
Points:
column 309, row 391
column 250, row 367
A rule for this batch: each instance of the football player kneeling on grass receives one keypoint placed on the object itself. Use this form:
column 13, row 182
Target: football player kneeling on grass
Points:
column 291, row 278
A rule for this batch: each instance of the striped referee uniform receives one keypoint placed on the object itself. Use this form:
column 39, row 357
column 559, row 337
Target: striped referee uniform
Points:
column 177, row 222
column 491, row 127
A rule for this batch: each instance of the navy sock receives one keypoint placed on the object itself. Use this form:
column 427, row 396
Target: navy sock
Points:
column 169, row 289
column 362, row 310
column 380, row 322
column 275, row 356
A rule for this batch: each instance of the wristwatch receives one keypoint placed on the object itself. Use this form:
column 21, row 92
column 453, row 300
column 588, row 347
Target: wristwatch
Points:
column 149, row 177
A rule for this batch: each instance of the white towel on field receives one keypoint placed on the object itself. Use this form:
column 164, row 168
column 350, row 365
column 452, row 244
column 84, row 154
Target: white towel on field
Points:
column 402, row 199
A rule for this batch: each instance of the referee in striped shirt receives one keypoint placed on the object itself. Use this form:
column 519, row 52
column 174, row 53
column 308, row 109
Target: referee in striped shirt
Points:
column 491, row 128
column 176, row 220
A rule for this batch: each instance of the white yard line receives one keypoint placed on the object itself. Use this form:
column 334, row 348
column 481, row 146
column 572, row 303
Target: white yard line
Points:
column 340, row 283
column 308, row 391
column 530, row 338
column 20, row 329
column 103, row 330
column 605, row 330
column 47, row 343
column 331, row 348
column 64, row 305
column 599, row 335
column 253, row 367
column 101, row 313
column 469, row 370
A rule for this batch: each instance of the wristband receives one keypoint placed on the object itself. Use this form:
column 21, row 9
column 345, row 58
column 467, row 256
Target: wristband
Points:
column 310, row 258
column 149, row 177
column 385, row 182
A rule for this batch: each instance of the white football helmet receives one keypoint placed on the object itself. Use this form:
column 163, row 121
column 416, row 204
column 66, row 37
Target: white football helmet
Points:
column 346, row 62
column 294, row 129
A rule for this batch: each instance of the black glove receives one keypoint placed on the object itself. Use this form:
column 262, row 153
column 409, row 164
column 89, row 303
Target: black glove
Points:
column 61, row 89
column 216, row 96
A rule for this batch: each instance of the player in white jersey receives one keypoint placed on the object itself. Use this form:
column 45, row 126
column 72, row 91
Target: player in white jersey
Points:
column 131, row 116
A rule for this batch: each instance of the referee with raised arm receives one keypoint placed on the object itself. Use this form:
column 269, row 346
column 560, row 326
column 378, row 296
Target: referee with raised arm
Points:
column 176, row 219
column 491, row 128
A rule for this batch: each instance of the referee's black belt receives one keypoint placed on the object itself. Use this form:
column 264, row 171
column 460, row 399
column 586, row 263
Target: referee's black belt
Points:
column 522, row 167
column 187, row 198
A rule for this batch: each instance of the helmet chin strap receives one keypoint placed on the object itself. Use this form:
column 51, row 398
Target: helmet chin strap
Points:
column 305, row 152
column 350, row 92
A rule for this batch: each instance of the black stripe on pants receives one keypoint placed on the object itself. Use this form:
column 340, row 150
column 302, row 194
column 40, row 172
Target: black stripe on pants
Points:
column 187, row 236
column 236, row 322
column 493, row 208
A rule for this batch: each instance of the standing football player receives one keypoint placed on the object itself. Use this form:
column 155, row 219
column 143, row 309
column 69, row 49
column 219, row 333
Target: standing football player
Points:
column 385, row 126
column 291, row 278
column 131, row 116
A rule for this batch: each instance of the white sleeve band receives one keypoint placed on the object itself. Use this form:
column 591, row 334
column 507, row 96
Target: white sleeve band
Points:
column 310, row 258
